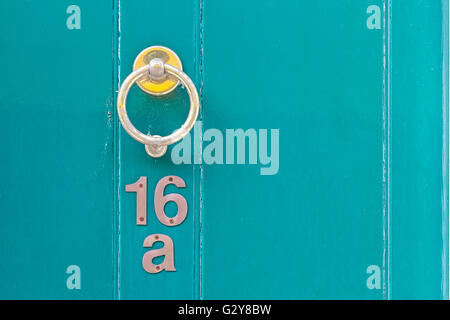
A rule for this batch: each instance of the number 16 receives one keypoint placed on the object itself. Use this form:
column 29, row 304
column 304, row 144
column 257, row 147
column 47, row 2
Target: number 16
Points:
column 160, row 200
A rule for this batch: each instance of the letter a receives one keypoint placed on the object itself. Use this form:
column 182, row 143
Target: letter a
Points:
column 74, row 20
column 374, row 21
column 374, row 281
column 166, row 250
column 74, row 280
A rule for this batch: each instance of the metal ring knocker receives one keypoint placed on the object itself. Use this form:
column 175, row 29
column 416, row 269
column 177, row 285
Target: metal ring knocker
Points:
column 157, row 71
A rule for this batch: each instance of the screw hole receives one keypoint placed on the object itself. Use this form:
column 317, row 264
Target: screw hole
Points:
column 156, row 237
column 141, row 219
column 170, row 179
column 141, row 185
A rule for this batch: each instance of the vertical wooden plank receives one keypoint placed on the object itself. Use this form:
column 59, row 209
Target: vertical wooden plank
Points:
column 56, row 174
column 419, row 198
column 315, row 71
column 175, row 25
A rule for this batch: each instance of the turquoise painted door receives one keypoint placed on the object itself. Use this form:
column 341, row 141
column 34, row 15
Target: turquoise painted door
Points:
column 317, row 168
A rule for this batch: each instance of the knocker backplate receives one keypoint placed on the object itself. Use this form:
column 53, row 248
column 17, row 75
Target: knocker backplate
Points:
column 166, row 55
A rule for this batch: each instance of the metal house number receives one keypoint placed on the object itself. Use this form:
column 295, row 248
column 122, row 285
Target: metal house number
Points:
column 160, row 200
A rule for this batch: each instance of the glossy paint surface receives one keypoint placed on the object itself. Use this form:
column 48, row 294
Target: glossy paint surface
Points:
column 360, row 184
column 56, row 189
column 318, row 78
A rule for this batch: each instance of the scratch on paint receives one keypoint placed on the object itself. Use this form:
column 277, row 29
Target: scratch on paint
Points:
column 201, row 165
column 445, row 140
column 386, row 151
column 389, row 148
column 118, row 156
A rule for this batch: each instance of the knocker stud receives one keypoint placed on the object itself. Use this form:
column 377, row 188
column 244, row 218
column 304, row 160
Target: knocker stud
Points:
column 157, row 70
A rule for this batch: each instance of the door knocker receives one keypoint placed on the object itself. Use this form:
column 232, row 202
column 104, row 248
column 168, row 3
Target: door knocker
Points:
column 157, row 71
